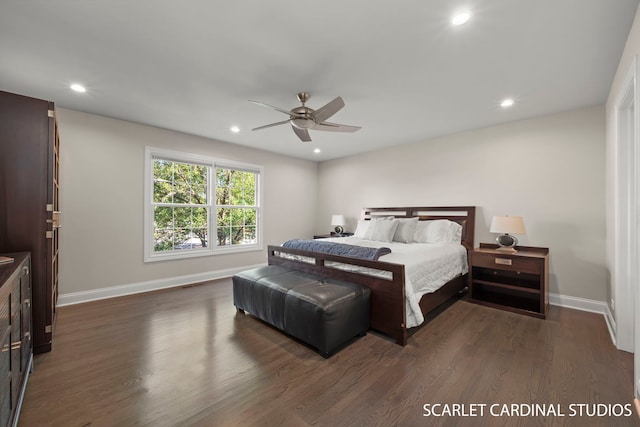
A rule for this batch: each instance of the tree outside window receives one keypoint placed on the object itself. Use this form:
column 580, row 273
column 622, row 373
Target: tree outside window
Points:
column 236, row 207
column 181, row 206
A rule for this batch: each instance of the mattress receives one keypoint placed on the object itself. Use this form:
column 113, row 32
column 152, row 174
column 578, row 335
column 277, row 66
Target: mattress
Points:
column 428, row 266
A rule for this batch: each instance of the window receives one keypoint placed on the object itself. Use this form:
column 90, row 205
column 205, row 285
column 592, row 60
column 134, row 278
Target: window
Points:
column 197, row 206
column 236, row 207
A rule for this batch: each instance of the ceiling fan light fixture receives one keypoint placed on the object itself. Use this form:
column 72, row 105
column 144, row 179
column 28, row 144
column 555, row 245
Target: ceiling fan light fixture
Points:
column 302, row 123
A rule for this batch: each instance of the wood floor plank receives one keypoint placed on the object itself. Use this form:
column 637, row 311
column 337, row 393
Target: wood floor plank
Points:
column 184, row 357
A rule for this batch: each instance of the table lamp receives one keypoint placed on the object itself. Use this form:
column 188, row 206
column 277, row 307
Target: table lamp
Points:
column 508, row 225
column 338, row 221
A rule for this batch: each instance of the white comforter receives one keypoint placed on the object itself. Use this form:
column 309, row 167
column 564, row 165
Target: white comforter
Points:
column 428, row 266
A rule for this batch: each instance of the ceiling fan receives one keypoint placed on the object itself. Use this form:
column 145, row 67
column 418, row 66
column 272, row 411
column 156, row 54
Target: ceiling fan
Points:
column 304, row 118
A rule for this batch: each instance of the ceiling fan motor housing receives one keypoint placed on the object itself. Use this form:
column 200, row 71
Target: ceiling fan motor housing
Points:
column 302, row 117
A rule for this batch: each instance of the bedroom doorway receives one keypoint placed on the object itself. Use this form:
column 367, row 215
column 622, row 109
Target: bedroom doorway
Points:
column 626, row 292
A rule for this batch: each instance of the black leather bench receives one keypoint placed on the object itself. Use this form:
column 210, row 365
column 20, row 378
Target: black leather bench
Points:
column 322, row 312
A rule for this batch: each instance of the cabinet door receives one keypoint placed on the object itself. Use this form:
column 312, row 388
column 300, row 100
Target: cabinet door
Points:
column 16, row 357
column 27, row 190
column 25, row 283
column 53, row 223
column 15, row 337
column 5, row 361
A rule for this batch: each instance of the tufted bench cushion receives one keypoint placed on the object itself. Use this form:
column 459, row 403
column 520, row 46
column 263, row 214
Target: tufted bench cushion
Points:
column 324, row 313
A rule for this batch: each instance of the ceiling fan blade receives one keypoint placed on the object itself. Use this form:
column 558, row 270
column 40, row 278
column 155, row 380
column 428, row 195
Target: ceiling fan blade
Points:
column 303, row 134
column 273, row 108
column 272, row 124
column 323, row 113
column 336, row 127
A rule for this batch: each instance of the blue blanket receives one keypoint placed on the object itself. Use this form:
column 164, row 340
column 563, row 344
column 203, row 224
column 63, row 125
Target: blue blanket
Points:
column 341, row 249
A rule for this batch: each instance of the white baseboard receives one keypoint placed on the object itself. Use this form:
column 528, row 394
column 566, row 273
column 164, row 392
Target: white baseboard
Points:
column 611, row 323
column 589, row 305
column 577, row 303
column 151, row 285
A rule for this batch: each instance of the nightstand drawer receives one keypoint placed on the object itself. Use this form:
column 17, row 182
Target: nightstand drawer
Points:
column 508, row 262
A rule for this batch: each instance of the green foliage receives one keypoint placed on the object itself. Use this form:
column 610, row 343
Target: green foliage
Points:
column 179, row 183
column 181, row 212
column 235, row 192
column 179, row 188
column 237, row 226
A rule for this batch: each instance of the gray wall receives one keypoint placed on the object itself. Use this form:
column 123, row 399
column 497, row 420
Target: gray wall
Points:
column 550, row 170
column 101, row 199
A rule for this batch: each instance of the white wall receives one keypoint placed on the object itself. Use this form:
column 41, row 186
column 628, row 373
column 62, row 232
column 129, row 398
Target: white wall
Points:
column 550, row 170
column 102, row 164
column 632, row 48
column 627, row 322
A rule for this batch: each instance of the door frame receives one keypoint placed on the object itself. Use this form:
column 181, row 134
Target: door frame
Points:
column 626, row 294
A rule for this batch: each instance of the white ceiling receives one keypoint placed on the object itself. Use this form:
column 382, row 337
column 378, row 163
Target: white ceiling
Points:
column 405, row 73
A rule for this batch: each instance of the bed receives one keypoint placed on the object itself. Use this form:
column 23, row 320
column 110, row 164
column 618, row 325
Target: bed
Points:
column 394, row 311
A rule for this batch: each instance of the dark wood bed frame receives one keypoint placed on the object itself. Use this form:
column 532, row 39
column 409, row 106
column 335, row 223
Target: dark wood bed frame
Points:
column 388, row 299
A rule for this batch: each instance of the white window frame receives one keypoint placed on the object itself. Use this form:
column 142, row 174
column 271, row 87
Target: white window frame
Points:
column 212, row 163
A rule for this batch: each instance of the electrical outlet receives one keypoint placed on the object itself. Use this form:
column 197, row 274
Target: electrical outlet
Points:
column 613, row 304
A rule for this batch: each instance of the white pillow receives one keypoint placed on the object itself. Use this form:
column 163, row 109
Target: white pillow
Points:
column 455, row 231
column 361, row 228
column 437, row 231
column 423, row 233
column 381, row 230
column 406, row 229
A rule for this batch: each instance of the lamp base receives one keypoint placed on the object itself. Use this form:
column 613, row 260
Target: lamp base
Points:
column 506, row 249
column 339, row 230
column 507, row 243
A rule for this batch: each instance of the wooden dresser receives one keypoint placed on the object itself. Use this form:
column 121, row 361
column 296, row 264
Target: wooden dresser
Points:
column 29, row 212
column 16, row 345
column 517, row 282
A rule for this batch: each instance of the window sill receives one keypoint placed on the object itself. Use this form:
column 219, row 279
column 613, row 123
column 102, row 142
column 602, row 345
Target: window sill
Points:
column 187, row 254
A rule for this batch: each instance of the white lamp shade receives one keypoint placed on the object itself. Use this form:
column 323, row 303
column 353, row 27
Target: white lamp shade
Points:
column 337, row 220
column 507, row 225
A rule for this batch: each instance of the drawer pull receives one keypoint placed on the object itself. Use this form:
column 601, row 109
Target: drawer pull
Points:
column 503, row 261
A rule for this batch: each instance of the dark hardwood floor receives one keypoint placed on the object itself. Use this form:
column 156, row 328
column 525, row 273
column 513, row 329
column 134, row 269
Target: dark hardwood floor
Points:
column 183, row 357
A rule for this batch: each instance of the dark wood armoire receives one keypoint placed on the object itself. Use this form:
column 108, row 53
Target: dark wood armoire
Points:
column 29, row 209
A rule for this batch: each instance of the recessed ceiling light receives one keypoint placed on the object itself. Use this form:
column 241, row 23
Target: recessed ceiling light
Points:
column 316, row 150
column 507, row 103
column 78, row 88
column 461, row 18
column 234, row 129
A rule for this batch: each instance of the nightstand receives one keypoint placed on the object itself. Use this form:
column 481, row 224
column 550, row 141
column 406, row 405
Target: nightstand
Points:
column 517, row 282
column 324, row 236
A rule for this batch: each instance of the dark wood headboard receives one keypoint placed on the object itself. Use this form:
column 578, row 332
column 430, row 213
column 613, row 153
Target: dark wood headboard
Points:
column 463, row 215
